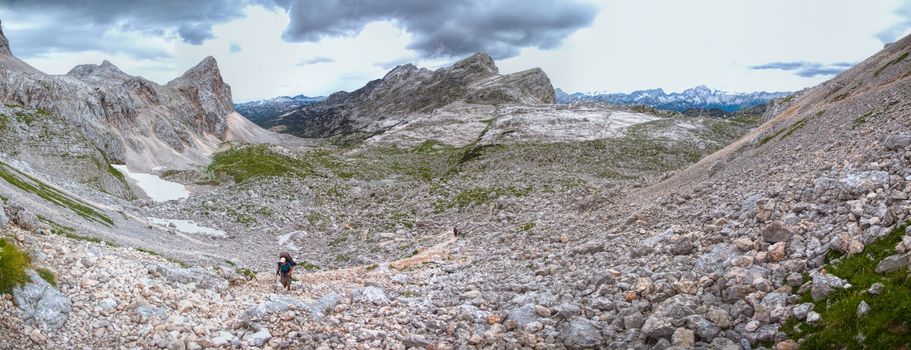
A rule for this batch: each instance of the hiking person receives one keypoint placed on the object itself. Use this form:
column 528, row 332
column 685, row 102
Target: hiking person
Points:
column 285, row 267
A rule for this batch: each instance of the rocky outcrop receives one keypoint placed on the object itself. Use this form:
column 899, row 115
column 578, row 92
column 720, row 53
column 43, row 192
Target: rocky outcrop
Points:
column 408, row 89
column 128, row 119
column 42, row 304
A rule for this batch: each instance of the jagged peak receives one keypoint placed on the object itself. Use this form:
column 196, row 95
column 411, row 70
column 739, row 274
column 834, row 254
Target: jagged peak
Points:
column 208, row 66
column 480, row 61
column 105, row 69
column 4, row 43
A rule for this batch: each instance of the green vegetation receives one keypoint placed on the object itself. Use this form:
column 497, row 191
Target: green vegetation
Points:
column 863, row 118
column 307, row 266
column 250, row 162
column 895, row 61
column 247, row 273
column 478, row 196
column 68, row 232
column 50, row 194
column 47, row 275
column 29, row 118
column 886, row 326
column 230, row 263
column 342, row 258
column 372, row 267
column 528, row 226
column 13, row 265
column 784, row 132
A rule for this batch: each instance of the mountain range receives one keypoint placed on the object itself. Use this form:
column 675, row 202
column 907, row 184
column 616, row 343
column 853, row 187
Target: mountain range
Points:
column 452, row 208
column 700, row 97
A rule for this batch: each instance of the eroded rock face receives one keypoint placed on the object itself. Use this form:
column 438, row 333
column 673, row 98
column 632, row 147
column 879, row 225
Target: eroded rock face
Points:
column 408, row 89
column 129, row 119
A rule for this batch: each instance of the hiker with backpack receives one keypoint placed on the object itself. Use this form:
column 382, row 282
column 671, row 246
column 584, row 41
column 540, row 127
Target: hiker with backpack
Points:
column 285, row 267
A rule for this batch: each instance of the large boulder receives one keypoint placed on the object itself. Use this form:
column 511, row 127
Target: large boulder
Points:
column 660, row 324
column 862, row 183
column 524, row 315
column 893, row 263
column 275, row 304
column 195, row 275
column 371, row 295
column 823, row 285
column 41, row 303
column 897, row 142
column 776, row 232
column 717, row 259
column 580, row 333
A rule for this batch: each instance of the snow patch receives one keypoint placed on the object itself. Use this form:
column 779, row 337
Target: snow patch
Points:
column 155, row 187
column 187, row 226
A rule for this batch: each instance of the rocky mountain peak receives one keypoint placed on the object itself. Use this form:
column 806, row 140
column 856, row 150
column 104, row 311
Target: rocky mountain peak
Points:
column 4, row 44
column 106, row 70
column 208, row 67
column 479, row 65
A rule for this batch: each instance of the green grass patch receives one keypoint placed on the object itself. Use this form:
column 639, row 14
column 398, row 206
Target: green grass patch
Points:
column 372, row 267
column 862, row 119
column 50, row 194
column 307, row 266
column 247, row 273
column 784, row 132
column 230, row 263
column 478, row 196
column 245, row 163
column 47, row 275
column 13, row 265
column 68, row 232
column 886, row 326
column 527, row 227
column 342, row 258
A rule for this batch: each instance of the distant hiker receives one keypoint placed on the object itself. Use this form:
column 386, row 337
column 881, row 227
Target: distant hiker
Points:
column 285, row 267
column 455, row 231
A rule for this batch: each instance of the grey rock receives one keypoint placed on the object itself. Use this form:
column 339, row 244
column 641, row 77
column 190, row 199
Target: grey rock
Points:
column 658, row 327
column 566, row 311
column 717, row 259
column 3, row 218
column 876, row 288
column 147, row 312
column 800, row 311
column 704, row 328
column 863, row 308
column 862, row 183
column 634, row 320
column 580, row 333
column 416, row 341
column 823, row 285
column 813, row 317
column 324, row 305
column 897, row 142
column 776, row 232
column 524, row 315
column 892, row 263
column 259, row 338
column 275, row 304
column 26, row 220
column 370, row 294
column 41, row 303
column 195, row 275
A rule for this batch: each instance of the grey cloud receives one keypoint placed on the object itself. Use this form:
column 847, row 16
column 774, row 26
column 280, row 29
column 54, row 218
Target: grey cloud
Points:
column 806, row 69
column 51, row 20
column 315, row 60
column 446, row 28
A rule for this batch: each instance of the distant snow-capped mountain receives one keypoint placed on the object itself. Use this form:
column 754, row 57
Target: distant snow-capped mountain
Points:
column 700, row 97
column 261, row 109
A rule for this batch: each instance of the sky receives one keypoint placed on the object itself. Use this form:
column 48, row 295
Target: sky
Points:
column 268, row 48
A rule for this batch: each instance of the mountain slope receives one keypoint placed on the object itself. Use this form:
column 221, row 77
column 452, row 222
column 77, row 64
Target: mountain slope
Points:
column 264, row 109
column 131, row 120
column 699, row 97
column 408, row 89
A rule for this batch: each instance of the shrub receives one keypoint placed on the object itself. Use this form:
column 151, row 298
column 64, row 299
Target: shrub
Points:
column 13, row 265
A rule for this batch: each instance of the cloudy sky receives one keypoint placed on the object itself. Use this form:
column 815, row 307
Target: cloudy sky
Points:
column 267, row 48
